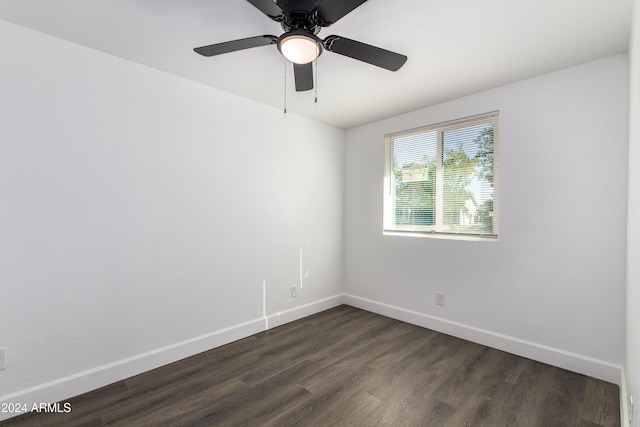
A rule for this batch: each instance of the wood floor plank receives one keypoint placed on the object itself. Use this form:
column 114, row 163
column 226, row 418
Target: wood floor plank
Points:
column 346, row 367
column 321, row 404
column 600, row 405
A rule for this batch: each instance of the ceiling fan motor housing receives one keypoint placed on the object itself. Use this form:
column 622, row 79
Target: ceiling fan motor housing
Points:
column 303, row 19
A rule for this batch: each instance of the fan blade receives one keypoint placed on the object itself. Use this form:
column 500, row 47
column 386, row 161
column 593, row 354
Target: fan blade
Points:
column 303, row 74
column 269, row 8
column 363, row 52
column 232, row 46
column 332, row 10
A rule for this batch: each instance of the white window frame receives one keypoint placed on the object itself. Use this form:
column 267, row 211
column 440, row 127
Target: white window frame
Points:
column 437, row 230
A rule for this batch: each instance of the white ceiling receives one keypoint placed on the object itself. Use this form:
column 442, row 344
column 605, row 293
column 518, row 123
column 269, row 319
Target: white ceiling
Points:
column 455, row 47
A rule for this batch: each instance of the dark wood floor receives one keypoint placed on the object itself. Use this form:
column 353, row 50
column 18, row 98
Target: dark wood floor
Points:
column 347, row 367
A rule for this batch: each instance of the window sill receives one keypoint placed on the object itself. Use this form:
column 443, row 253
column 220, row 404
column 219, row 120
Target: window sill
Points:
column 445, row 236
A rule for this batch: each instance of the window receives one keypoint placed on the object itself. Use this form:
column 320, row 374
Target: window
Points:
column 443, row 179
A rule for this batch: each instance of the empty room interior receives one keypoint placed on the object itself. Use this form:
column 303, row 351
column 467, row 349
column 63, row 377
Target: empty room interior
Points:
column 434, row 219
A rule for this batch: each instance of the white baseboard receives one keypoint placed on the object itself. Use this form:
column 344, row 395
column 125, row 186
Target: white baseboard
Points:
column 82, row 382
column 296, row 313
column 560, row 358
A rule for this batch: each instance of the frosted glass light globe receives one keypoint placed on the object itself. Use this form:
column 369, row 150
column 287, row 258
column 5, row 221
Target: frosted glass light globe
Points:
column 299, row 49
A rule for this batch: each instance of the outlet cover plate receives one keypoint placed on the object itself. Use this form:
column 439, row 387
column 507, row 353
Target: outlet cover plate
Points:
column 440, row 298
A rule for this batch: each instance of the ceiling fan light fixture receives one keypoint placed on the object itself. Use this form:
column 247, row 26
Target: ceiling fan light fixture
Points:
column 299, row 47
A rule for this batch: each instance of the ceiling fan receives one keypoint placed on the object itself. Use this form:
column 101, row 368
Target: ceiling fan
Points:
column 302, row 20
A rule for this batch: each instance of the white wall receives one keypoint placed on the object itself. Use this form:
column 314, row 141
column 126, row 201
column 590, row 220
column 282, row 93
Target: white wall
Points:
column 553, row 286
column 141, row 214
column 632, row 366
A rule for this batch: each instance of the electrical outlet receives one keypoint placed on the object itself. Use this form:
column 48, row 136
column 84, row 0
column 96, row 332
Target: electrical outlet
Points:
column 294, row 291
column 440, row 298
column 3, row 358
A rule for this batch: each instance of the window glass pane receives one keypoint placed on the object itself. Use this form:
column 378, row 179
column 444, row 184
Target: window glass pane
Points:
column 467, row 163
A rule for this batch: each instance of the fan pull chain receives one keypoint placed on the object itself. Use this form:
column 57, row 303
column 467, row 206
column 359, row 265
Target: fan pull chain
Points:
column 316, row 76
column 285, row 86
